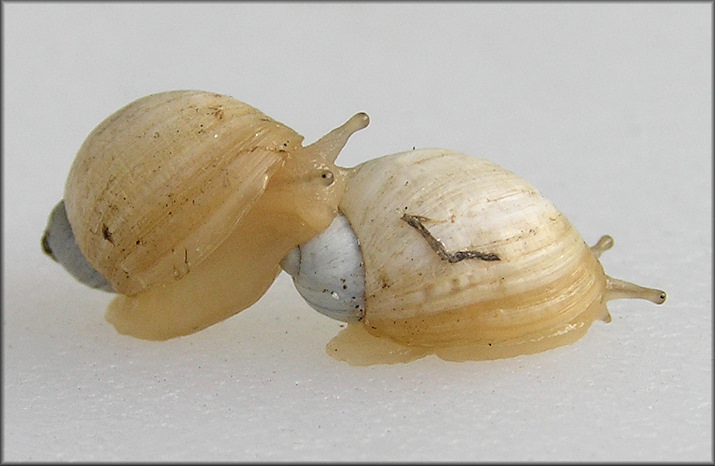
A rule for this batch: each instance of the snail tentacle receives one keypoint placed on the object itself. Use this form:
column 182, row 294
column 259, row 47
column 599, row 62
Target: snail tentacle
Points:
column 621, row 289
column 604, row 244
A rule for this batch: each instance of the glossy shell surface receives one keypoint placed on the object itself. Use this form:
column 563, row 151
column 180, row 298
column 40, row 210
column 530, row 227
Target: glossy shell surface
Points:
column 159, row 184
column 512, row 267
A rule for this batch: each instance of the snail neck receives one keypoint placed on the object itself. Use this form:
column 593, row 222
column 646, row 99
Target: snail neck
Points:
column 302, row 197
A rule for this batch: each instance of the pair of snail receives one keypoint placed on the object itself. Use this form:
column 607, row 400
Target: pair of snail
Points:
column 188, row 204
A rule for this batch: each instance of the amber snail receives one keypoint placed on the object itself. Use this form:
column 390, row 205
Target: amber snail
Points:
column 454, row 256
column 430, row 251
column 184, row 203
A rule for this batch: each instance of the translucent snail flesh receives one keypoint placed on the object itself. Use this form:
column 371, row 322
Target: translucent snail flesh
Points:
column 184, row 203
column 452, row 255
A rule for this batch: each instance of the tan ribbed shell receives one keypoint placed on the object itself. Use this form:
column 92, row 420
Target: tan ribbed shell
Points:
column 158, row 185
column 545, row 282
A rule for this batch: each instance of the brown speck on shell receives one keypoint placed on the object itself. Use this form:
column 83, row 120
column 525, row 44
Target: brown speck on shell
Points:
column 106, row 234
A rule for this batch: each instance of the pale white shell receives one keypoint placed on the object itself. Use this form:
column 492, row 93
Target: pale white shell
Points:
column 545, row 279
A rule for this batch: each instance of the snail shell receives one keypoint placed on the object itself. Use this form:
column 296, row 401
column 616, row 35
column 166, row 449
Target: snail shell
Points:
column 456, row 252
column 186, row 201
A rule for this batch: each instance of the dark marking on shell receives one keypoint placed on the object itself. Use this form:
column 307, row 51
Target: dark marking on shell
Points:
column 415, row 221
column 106, row 234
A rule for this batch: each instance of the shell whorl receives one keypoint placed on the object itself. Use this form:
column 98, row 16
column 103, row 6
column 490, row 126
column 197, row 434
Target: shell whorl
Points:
column 159, row 184
column 545, row 275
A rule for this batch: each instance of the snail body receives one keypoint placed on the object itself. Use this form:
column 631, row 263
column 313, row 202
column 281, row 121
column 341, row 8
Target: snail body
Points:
column 458, row 255
column 186, row 201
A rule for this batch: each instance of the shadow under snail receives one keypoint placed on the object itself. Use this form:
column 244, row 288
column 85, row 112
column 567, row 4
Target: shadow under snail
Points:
column 186, row 202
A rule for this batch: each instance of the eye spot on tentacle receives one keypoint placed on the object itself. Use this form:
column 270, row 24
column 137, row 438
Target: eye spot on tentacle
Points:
column 327, row 177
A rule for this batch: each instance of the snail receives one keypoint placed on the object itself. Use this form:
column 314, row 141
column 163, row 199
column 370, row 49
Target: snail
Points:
column 184, row 203
column 435, row 251
column 187, row 204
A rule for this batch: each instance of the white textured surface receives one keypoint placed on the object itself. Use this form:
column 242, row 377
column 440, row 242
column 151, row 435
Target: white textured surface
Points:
column 605, row 108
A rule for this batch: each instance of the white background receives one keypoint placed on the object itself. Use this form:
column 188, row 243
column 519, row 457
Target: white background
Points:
column 606, row 108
